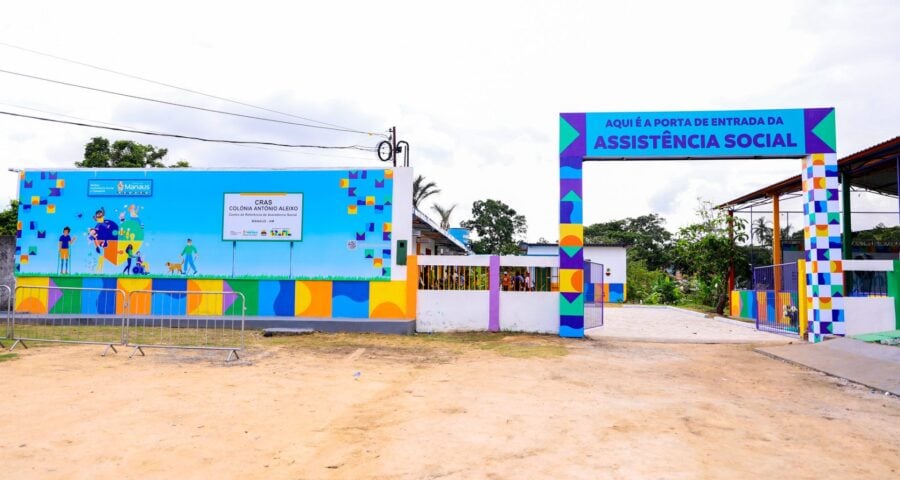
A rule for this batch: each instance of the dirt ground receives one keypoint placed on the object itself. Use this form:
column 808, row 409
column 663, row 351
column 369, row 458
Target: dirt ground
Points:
column 441, row 406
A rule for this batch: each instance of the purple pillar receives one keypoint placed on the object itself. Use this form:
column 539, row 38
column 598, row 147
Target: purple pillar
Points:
column 494, row 292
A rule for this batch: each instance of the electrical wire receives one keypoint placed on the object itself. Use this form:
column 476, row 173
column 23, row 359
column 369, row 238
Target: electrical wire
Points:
column 181, row 105
column 257, row 147
column 176, row 87
column 190, row 137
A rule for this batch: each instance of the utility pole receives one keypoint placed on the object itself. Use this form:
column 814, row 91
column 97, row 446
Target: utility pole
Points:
column 394, row 145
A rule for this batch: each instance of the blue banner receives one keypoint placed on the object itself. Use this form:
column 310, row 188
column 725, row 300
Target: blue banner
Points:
column 709, row 134
column 120, row 188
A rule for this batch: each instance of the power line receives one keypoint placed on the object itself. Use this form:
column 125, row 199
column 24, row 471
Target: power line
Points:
column 190, row 137
column 175, row 104
column 176, row 87
column 258, row 147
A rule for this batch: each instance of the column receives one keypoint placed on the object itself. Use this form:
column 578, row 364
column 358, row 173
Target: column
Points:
column 822, row 239
column 571, row 230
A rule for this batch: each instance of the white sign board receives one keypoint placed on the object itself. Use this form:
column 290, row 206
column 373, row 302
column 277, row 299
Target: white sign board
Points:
column 263, row 216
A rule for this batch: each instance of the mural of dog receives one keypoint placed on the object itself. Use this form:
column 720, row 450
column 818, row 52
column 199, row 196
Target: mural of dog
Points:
column 175, row 267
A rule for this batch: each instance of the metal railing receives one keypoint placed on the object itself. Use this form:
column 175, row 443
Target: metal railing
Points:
column 866, row 283
column 7, row 313
column 56, row 314
column 777, row 298
column 186, row 320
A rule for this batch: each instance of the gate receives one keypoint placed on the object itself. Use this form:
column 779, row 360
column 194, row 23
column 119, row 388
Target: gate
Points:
column 594, row 294
column 777, row 300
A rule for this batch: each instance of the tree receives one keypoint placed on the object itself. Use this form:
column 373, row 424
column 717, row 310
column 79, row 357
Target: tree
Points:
column 444, row 213
column 706, row 249
column 648, row 239
column 99, row 153
column 9, row 218
column 497, row 226
column 762, row 232
column 423, row 190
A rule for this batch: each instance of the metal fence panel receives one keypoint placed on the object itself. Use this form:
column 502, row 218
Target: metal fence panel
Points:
column 185, row 320
column 59, row 314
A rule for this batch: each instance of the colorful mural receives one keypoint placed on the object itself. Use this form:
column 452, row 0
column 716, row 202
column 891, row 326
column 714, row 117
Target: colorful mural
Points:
column 276, row 298
column 156, row 223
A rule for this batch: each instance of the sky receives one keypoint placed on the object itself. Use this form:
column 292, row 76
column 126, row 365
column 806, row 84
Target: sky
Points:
column 476, row 87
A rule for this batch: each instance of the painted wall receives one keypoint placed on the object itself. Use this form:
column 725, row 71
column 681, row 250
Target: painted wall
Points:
column 117, row 217
column 344, row 265
column 276, row 298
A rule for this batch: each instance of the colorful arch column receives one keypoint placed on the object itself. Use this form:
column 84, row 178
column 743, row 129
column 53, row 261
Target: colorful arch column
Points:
column 572, row 149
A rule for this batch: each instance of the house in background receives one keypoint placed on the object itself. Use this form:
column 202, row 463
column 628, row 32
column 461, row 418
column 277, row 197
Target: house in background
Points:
column 611, row 256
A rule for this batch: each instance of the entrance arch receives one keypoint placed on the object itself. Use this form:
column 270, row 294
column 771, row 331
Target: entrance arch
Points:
column 807, row 134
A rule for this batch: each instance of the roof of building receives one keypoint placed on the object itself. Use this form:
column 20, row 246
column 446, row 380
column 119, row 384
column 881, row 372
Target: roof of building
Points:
column 430, row 229
column 873, row 169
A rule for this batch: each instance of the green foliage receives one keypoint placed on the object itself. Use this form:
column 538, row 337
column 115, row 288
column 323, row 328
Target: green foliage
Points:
column 647, row 238
column 444, row 213
column 99, row 153
column 879, row 234
column 650, row 286
column 498, row 227
column 423, row 190
column 9, row 217
column 705, row 250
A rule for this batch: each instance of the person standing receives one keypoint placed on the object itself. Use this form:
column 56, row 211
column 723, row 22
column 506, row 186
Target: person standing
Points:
column 188, row 255
column 64, row 241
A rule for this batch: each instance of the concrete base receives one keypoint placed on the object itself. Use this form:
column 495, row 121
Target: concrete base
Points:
column 875, row 366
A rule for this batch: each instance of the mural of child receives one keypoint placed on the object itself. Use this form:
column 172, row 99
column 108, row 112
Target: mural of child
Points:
column 188, row 254
column 64, row 241
column 140, row 266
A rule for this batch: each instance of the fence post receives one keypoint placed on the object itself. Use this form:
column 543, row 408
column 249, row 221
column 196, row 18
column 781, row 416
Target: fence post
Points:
column 494, row 294
column 893, row 290
column 801, row 298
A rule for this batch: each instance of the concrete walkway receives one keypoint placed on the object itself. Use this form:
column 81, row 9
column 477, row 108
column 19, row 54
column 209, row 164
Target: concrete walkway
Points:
column 870, row 364
column 675, row 325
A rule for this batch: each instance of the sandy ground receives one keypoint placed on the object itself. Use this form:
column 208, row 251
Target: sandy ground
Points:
column 663, row 324
column 459, row 407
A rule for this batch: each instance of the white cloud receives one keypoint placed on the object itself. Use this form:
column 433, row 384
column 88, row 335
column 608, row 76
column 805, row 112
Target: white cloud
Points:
column 475, row 87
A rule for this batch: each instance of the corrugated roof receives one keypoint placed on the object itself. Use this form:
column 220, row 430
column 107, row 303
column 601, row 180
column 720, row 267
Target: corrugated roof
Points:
column 872, row 169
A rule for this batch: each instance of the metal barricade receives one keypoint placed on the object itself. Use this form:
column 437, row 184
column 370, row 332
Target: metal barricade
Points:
column 93, row 316
column 7, row 313
column 186, row 320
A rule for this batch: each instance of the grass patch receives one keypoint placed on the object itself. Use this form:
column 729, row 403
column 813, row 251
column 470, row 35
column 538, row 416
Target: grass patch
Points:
column 438, row 345
column 5, row 357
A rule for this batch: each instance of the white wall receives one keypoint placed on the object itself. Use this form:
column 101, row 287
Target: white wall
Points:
column 452, row 310
column 536, row 312
column 868, row 315
column 401, row 219
column 612, row 258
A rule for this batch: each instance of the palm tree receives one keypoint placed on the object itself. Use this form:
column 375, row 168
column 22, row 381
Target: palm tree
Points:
column 762, row 231
column 445, row 214
column 423, row 190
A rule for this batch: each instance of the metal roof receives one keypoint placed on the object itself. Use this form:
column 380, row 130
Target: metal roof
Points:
column 873, row 169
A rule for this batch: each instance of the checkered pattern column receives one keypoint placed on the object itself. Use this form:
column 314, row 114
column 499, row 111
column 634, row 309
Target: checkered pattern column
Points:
column 571, row 231
column 822, row 238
